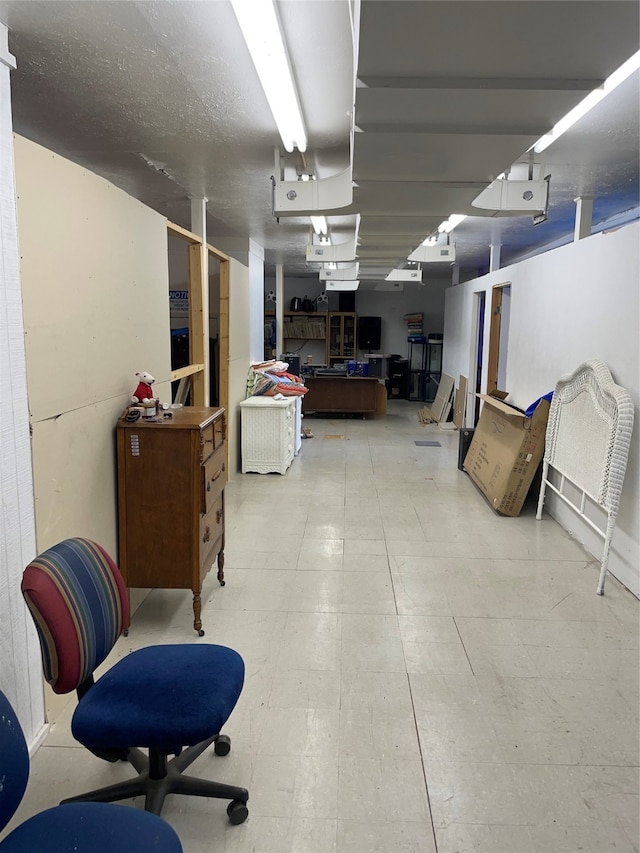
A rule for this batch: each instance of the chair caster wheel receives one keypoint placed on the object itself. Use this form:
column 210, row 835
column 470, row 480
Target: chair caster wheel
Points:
column 237, row 811
column 222, row 583
column 222, row 745
column 201, row 632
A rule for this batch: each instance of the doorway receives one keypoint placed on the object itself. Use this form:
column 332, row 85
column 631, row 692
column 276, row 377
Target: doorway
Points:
column 498, row 337
column 478, row 352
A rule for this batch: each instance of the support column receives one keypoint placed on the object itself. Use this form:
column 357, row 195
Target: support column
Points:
column 494, row 257
column 584, row 215
column 200, row 349
column 279, row 309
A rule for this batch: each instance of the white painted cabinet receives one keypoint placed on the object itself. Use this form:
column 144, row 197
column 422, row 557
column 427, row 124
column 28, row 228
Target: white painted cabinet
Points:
column 268, row 434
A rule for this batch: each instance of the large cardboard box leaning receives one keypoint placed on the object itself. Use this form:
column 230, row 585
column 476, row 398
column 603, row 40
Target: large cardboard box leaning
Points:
column 505, row 452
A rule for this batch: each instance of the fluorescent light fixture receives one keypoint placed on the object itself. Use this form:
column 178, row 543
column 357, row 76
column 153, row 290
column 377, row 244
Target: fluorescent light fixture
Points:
column 341, row 285
column 450, row 223
column 261, row 30
column 319, row 224
column 405, row 275
column 613, row 81
column 349, row 273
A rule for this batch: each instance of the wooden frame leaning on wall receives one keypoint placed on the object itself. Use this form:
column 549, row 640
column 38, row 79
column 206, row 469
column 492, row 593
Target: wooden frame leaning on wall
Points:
column 195, row 375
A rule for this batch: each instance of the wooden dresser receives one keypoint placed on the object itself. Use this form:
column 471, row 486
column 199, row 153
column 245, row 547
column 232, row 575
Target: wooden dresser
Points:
column 171, row 479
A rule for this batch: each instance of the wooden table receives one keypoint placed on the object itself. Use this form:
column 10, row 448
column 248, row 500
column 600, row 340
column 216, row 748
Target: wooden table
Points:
column 356, row 394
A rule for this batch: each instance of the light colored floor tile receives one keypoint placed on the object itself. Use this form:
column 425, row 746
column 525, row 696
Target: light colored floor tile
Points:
column 441, row 658
column 377, row 734
column 300, row 731
column 356, row 547
column 580, row 839
column 458, row 737
column 308, row 688
column 367, row 593
column 275, row 835
column 467, row 792
column 294, row 786
column 485, row 838
column 382, row 789
column 366, row 836
column 366, row 563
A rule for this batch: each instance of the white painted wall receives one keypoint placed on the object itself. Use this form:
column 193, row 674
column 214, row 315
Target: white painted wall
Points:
column 20, row 670
column 573, row 304
column 239, row 355
column 256, row 301
column 428, row 298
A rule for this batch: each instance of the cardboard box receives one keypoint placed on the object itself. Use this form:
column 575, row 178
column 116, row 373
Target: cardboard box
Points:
column 505, row 452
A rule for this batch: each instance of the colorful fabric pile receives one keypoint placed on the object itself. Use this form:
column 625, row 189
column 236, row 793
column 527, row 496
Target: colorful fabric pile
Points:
column 272, row 379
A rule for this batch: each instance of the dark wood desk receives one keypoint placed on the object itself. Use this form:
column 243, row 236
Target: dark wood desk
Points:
column 341, row 394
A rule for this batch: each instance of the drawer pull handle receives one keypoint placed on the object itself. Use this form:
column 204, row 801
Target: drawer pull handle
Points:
column 214, row 478
column 219, row 516
column 207, row 534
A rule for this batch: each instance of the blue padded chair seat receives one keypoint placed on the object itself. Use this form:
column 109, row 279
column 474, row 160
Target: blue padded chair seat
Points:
column 92, row 828
column 158, row 693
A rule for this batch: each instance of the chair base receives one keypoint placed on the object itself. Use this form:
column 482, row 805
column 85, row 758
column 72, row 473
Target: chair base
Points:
column 157, row 777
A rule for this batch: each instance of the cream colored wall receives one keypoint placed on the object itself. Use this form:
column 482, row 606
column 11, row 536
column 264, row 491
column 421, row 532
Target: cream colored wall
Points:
column 239, row 350
column 96, row 310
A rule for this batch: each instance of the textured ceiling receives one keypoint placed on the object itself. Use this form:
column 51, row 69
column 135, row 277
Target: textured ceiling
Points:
column 161, row 98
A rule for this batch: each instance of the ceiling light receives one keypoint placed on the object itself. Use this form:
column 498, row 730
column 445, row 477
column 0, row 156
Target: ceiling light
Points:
column 261, row 31
column 319, row 224
column 341, row 285
column 405, row 275
column 613, row 80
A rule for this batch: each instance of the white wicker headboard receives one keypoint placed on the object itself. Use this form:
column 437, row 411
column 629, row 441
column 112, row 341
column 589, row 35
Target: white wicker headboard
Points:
column 589, row 433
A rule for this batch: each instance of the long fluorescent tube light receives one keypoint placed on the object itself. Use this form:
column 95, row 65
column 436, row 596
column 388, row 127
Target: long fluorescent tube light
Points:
column 319, row 224
column 261, row 31
column 613, row 81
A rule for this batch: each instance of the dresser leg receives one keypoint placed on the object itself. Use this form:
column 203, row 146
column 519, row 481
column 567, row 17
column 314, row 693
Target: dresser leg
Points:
column 197, row 608
column 221, row 579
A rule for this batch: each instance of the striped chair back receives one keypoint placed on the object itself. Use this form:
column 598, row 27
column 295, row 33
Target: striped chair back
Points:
column 79, row 602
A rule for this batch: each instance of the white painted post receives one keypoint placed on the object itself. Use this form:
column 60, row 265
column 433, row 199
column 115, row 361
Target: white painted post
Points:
column 279, row 309
column 584, row 215
column 494, row 257
column 199, row 227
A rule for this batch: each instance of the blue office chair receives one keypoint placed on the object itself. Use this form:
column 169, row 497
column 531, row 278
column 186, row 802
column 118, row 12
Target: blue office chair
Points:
column 161, row 698
column 83, row 827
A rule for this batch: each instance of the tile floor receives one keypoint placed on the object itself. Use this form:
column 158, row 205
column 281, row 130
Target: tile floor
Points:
column 422, row 675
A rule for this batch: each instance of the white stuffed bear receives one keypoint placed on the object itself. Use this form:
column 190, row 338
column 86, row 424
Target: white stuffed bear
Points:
column 144, row 391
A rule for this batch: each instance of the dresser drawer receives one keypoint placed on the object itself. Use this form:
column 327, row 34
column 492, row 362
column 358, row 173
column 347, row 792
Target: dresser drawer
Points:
column 207, row 442
column 214, row 478
column 211, row 527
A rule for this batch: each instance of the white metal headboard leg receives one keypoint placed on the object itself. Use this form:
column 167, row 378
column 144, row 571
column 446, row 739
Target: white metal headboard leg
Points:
column 543, row 488
column 605, row 556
